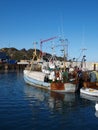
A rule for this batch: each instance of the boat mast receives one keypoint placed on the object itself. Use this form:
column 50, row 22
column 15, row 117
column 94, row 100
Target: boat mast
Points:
column 65, row 50
column 34, row 53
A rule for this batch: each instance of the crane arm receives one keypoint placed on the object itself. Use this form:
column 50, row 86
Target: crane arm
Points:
column 48, row 39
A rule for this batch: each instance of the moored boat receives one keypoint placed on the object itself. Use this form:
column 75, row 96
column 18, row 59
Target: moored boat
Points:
column 90, row 86
column 36, row 79
column 89, row 91
column 49, row 75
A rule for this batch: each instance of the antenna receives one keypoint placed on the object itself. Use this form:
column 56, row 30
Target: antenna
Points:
column 62, row 27
column 83, row 49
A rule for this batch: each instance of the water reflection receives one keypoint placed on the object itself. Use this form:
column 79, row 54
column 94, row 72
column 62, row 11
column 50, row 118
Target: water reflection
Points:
column 89, row 97
column 96, row 108
column 93, row 99
column 57, row 100
column 26, row 107
column 52, row 99
column 55, row 105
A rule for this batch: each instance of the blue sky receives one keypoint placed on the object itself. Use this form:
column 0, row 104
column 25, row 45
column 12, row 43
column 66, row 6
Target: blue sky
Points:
column 23, row 22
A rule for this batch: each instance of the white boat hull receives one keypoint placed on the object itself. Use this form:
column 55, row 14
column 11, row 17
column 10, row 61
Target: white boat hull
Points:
column 36, row 78
column 89, row 91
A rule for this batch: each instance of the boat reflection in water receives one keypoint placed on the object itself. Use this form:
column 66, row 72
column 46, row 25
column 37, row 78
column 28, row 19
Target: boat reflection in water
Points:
column 51, row 99
column 96, row 108
column 96, row 114
column 58, row 100
column 91, row 98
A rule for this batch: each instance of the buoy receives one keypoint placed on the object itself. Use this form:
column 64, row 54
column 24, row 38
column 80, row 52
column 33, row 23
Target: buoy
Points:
column 96, row 106
column 96, row 114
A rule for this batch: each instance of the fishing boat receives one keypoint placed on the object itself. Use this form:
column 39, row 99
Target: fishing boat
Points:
column 47, row 76
column 37, row 79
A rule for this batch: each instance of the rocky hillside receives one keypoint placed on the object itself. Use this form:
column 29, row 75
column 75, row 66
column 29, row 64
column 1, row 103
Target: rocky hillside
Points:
column 16, row 54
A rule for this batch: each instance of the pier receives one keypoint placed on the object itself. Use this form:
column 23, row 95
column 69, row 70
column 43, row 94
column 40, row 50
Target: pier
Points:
column 12, row 67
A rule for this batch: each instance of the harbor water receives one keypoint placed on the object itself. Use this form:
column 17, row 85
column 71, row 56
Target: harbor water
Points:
column 25, row 107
